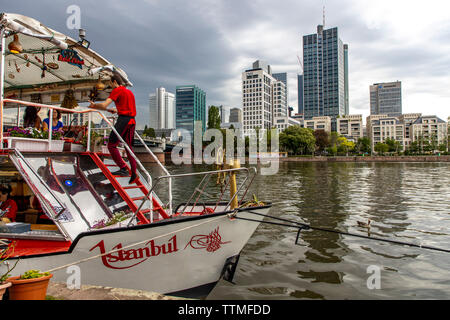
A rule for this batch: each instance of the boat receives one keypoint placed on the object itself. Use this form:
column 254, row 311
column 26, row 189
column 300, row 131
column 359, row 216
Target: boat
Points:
column 99, row 227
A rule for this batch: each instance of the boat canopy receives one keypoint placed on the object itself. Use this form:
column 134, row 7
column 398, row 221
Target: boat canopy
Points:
column 50, row 63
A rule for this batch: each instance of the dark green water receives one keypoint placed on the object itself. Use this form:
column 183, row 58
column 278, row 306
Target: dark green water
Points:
column 407, row 202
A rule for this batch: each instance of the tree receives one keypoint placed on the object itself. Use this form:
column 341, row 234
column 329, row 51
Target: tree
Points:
column 381, row 148
column 298, row 140
column 394, row 145
column 322, row 140
column 345, row 146
column 149, row 132
column 363, row 145
column 213, row 118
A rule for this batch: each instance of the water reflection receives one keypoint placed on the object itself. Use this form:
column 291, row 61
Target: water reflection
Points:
column 406, row 201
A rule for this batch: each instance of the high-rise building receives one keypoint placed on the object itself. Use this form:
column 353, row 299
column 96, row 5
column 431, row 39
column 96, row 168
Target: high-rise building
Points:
column 257, row 96
column 190, row 107
column 279, row 99
column 300, row 93
column 283, row 78
column 324, row 74
column 224, row 112
column 162, row 109
column 386, row 98
column 236, row 115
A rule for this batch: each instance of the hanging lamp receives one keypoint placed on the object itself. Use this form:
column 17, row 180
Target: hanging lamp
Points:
column 15, row 46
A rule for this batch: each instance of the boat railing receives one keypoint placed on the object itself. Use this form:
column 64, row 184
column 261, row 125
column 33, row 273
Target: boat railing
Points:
column 88, row 146
column 199, row 190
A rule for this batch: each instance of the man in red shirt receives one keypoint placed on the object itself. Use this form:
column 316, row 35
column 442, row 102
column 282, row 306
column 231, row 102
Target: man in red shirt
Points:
column 125, row 125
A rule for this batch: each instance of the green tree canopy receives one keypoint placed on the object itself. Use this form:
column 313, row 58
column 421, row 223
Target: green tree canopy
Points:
column 298, row 140
column 213, row 118
column 322, row 140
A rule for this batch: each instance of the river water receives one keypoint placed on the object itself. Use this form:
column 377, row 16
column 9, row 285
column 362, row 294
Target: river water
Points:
column 408, row 202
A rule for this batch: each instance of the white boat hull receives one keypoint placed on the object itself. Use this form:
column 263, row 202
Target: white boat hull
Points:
column 175, row 256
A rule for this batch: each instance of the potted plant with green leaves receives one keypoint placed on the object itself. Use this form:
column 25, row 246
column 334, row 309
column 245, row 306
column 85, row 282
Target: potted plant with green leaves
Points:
column 32, row 285
column 4, row 255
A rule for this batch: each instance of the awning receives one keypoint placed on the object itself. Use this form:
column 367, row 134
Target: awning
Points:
column 50, row 62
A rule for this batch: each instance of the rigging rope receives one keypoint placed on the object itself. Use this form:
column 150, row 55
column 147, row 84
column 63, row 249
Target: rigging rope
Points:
column 302, row 226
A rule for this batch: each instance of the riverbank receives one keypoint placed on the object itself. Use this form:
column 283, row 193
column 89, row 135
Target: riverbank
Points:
column 59, row 291
column 444, row 158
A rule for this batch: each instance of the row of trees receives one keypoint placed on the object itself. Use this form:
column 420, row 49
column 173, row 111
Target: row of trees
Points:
column 303, row 141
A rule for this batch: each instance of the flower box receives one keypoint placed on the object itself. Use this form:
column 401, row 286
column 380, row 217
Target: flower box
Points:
column 37, row 145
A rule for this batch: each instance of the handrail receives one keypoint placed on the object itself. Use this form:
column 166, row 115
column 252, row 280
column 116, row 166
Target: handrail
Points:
column 149, row 177
column 205, row 173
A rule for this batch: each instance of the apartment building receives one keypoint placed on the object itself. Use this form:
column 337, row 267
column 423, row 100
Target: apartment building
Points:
column 429, row 128
column 319, row 123
column 350, row 126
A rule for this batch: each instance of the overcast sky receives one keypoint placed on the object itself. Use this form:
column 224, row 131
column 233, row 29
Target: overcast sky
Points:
column 210, row 43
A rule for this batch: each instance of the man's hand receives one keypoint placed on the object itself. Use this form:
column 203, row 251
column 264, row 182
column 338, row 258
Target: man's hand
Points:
column 92, row 104
column 112, row 110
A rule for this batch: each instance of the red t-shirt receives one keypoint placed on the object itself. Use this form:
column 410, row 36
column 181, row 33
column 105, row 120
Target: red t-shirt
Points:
column 11, row 207
column 124, row 100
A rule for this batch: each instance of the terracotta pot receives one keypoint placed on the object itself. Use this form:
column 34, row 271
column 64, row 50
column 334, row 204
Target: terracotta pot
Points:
column 28, row 289
column 3, row 287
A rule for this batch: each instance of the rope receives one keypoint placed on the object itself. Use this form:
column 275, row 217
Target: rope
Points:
column 131, row 245
column 302, row 226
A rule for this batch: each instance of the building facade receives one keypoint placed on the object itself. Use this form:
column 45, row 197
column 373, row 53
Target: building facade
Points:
column 162, row 109
column 300, row 93
column 350, row 126
column 429, row 128
column 190, row 107
column 386, row 98
column 257, row 97
column 236, row 115
column 325, row 72
column 319, row 123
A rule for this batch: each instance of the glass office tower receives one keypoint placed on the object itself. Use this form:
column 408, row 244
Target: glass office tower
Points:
column 324, row 74
column 190, row 107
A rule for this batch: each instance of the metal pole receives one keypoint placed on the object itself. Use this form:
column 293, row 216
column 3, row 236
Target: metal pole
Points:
column 2, row 82
column 88, row 146
column 50, row 129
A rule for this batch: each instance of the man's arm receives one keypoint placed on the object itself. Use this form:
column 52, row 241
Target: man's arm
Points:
column 103, row 105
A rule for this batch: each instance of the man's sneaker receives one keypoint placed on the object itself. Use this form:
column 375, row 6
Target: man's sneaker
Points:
column 133, row 178
column 122, row 172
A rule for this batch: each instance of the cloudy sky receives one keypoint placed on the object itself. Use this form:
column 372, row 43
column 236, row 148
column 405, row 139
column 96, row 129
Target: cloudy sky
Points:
column 211, row 42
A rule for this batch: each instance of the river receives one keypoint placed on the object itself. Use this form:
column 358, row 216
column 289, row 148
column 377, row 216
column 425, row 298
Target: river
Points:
column 406, row 202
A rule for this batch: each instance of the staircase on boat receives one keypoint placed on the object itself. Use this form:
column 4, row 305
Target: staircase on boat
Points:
column 133, row 194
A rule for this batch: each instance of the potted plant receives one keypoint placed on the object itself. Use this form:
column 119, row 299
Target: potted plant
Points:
column 119, row 219
column 32, row 285
column 4, row 283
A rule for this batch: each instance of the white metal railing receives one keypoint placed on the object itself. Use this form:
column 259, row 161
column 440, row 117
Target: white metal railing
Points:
column 88, row 147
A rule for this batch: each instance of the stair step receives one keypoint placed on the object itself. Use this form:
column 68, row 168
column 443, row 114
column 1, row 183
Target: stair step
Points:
column 132, row 187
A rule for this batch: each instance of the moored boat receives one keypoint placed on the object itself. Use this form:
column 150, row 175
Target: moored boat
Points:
column 111, row 232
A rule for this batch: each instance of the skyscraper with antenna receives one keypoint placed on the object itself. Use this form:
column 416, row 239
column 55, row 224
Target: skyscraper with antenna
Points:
column 325, row 73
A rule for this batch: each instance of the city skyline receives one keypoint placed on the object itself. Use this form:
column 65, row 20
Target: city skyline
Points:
column 386, row 42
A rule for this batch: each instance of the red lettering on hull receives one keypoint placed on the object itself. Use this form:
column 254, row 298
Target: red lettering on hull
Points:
column 135, row 256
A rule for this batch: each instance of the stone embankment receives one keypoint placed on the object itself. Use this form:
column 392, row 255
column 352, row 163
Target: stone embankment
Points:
column 445, row 158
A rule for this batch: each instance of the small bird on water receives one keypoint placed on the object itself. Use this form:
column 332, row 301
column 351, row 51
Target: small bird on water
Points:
column 364, row 225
